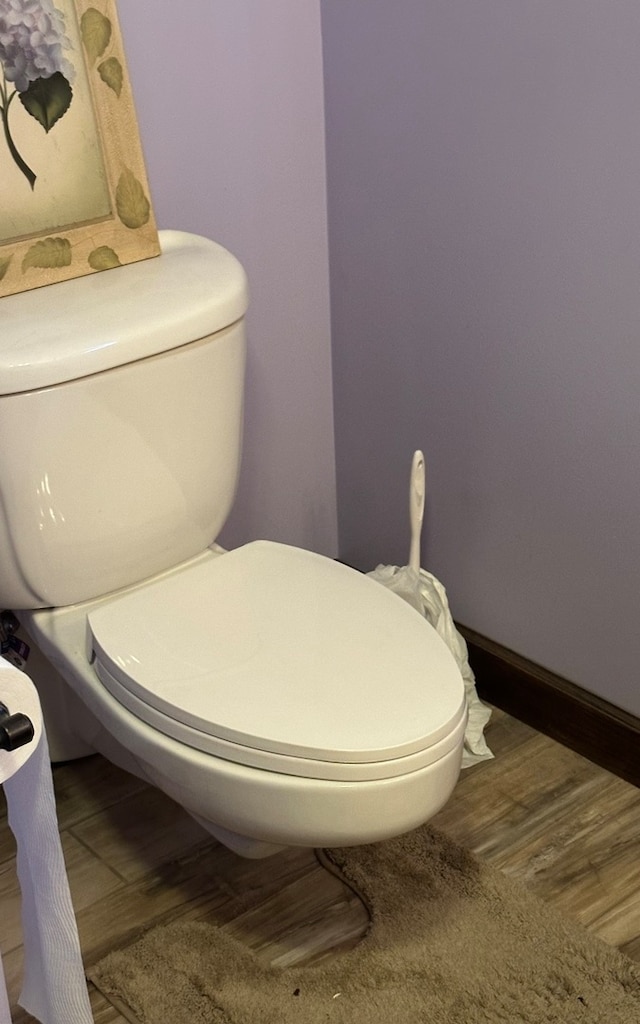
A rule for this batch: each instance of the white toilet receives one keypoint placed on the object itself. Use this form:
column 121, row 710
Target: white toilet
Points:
column 280, row 697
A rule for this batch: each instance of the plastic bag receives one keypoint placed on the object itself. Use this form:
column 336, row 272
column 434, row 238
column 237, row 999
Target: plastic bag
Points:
column 428, row 596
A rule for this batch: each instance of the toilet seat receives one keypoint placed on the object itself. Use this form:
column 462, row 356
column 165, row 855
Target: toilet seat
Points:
column 281, row 659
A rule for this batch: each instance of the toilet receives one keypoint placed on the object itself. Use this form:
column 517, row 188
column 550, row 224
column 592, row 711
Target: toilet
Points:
column 282, row 698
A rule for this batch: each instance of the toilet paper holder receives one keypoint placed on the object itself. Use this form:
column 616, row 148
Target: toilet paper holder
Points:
column 15, row 730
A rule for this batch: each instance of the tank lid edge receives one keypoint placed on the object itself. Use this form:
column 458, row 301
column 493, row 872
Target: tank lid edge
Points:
column 76, row 328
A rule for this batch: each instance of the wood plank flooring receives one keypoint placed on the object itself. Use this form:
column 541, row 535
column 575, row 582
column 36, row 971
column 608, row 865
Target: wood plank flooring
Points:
column 546, row 816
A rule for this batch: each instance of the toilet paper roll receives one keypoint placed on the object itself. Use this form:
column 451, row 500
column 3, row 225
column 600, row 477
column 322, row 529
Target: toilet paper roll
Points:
column 54, row 989
column 19, row 695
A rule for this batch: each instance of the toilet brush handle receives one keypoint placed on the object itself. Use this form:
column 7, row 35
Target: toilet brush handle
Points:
column 417, row 490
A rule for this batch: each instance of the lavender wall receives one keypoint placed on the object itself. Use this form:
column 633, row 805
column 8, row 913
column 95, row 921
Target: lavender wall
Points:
column 484, row 211
column 230, row 106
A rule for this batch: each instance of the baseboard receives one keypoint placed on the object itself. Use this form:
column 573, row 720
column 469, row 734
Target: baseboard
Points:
column 605, row 734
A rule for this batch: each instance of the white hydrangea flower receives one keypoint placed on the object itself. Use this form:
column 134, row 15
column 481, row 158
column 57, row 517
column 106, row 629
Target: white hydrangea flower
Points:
column 32, row 40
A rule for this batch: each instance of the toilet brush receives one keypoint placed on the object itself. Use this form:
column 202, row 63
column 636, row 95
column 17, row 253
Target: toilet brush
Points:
column 428, row 596
column 416, row 507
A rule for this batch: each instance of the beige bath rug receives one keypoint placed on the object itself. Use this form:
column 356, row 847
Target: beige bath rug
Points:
column 452, row 942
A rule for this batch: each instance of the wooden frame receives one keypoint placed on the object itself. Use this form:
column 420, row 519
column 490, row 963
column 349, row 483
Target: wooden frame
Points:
column 74, row 196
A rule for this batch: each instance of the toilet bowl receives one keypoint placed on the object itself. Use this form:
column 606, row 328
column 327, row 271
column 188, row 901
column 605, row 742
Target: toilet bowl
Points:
column 280, row 697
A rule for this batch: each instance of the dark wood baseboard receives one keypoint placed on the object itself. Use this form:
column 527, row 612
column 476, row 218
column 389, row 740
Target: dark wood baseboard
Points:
column 605, row 734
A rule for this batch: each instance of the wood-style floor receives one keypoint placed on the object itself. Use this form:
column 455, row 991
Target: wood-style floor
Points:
column 565, row 828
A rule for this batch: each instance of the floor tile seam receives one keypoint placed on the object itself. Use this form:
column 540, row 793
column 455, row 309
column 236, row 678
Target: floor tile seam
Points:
column 9, row 950
column 618, row 911
column 566, row 840
column 7, row 862
column 73, row 793
column 81, row 817
column 631, row 948
column 256, row 911
column 105, row 1006
column 94, row 853
column 95, row 952
column 566, row 902
column 570, row 859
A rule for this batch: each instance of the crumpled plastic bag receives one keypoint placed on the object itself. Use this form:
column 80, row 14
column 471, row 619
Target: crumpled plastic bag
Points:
column 428, row 596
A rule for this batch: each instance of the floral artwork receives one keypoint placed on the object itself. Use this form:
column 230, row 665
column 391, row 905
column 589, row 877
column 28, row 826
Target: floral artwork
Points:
column 34, row 67
column 74, row 197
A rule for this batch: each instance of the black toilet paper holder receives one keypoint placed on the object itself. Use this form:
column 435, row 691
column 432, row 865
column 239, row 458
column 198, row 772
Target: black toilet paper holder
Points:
column 15, row 730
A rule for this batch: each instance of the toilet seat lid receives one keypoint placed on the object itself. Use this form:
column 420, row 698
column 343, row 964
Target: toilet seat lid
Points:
column 283, row 651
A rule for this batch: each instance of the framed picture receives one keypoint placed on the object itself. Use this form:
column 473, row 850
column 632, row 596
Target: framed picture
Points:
column 74, row 196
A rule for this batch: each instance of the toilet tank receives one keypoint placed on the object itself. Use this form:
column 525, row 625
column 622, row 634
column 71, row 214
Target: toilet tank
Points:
column 121, row 400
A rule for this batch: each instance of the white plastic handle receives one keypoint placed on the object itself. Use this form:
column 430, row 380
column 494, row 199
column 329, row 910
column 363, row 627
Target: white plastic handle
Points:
column 417, row 492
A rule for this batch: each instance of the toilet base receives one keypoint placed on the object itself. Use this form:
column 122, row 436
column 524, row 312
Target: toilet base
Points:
column 244, row 846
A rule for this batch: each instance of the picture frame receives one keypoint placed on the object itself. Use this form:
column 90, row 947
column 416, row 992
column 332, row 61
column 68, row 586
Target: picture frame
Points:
column 74, row 194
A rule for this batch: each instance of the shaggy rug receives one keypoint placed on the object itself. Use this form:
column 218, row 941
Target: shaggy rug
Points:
column 452, row 942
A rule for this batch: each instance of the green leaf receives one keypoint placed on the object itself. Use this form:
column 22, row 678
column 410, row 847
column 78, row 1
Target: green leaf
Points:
column 103, row 258
column 96, row 33
column 47, row 99
column 4, row 264
column 131, row 203
column 48, row 253
column 111, row 73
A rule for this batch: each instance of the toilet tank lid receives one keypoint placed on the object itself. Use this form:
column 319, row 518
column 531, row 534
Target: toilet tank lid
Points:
column 76, row 328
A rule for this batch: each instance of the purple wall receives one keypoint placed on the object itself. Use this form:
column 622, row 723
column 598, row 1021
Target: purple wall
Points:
column 484, row 183
column 230, row 106
column 484, row 212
